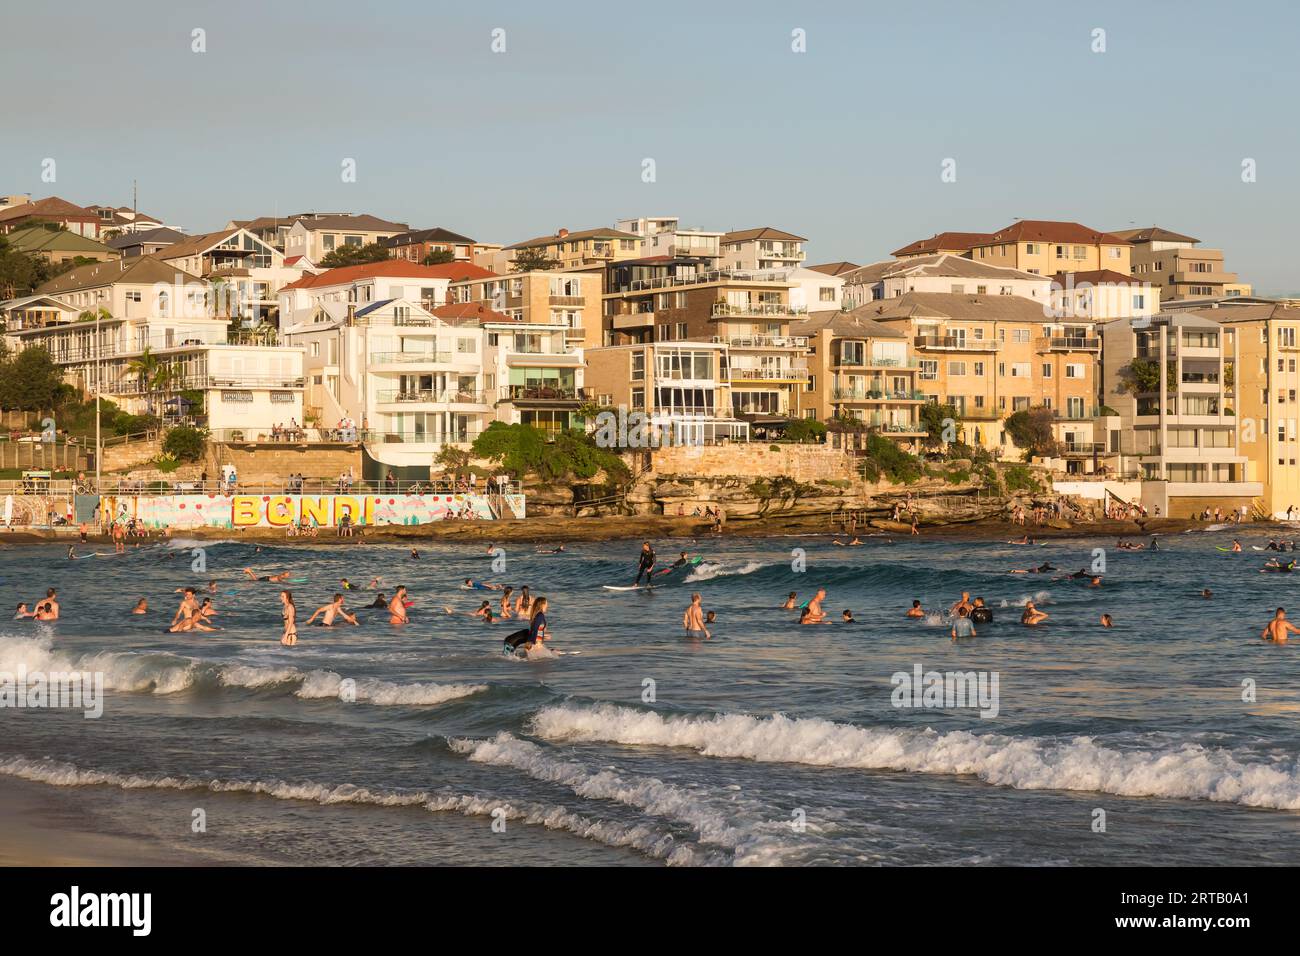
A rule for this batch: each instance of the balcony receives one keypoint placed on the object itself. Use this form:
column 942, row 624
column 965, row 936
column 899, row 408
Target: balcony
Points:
column 1084, row 448
column 763, row 341
column 874, row 395
column 953, row 343
column 740, row 374
column 446, row 396
column 544, row 359
column 634, row 320
column 724, row 309
column 576, row 301
column 1067, row 344
column 409, row 358
column 867, row 362
column 543, row 394
column 782, row 252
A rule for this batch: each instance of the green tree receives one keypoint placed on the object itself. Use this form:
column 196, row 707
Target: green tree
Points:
column 524, row 450
column 438, row 257
column 1032, row 431
column 152, row 374
column 1142, row 375
column 354, row 255
column 30, row 381
column 533, row 260
column 935, row 418
column 19, row 272
column 806, row 430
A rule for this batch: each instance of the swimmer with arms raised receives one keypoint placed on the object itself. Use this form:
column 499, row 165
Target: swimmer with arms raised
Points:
column 331, row 611
column 1032, row 616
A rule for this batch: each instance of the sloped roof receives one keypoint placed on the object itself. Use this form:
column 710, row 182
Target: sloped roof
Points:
column 1152, row 234
column 40, row 239
column 142, row 270
column 602, row 233
column 395, row 268
column 51, row 206
column 436, row 234
column 942, row 240
column 1048, row 230
column 834, row 268
column 857, row 323
column 942, row 265
column 762, row 232
column 362, row 223
column 959, row 306
column 148, row 237
column 470, row 312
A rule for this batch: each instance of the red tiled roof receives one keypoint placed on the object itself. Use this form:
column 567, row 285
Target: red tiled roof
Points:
column 51, row 206
column 942, row 240
column 1046, row 230
column 396, row 268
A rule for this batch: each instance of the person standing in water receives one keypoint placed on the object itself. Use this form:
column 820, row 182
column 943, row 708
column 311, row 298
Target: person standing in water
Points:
column 397, row 606
column 289, row 613
column 961, row 625
column 693, row 619
column 331, row 611
column 1279, row 628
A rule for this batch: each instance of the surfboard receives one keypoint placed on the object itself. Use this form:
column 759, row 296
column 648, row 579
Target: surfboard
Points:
column 628, row 587
column 1229, row 550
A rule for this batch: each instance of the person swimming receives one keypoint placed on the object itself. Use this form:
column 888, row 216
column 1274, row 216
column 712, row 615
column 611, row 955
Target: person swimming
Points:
column 846, row 617
column 141, row 606
column 814, row 609
column 682, row 560
column 964, row 602
column 1207, row 593
column 379, row 601
column 21, row 612
column 280, row 576
column 558, row 549
column 1043, row 568
column 1106, row 621
column 981, row 613
column 790, row 604
column 346, row 585
column 415, row 555
column 331, row 611
column 916, row 610
column 1277, row 566
column 472, row 585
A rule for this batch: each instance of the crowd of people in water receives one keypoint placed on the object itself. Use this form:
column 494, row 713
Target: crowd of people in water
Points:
column 196, row 612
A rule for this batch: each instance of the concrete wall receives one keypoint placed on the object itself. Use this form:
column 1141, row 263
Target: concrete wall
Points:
column 755, row 459
column 269, row 464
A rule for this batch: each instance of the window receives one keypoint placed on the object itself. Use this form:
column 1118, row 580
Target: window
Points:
column 282, row 398
column 638, row 366
column 1080, row 252
column 956, row 368
column 979, row 368
column 1074, row 370
column 929, row 370
column 1047, row 370
column 231, row 395
column 1020, row 370
column 134, row 296
column 826, row 294
column 1286, row 336
column 681, row 330
column 1031, row 248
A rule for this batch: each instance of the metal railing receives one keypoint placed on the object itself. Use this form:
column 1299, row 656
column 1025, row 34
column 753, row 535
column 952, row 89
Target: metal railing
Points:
column 956, row 343
column 869, row 362
column 315, row 485
column 443, row 396
column 403, row 358
column 876, row 394
column 767, row 374
column 339, row 436
column 762, row 341
column 1086, row 344
column 705, row 278
column 547, row 393
column 757, row 308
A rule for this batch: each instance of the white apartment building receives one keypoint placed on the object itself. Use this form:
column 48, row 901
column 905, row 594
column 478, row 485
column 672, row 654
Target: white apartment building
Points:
column 762, row 248
column 246, row 272
column 941, row 272
column 1102, row 296
column 337, row 292
column 663, row 236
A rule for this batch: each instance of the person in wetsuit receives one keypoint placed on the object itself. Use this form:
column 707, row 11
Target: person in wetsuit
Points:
column 981, row 613
column 646, row 564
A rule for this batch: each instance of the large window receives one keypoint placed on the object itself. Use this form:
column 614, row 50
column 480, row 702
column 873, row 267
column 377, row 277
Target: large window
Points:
column 684, row 366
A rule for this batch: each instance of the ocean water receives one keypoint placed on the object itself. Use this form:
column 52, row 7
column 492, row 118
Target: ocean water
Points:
column 772, row 744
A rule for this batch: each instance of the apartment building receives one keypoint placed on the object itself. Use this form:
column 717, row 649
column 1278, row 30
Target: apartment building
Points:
column 1046, row 247
column 571, row 300
column 939, row 272
column 762, row 248
column 1102, row 296
column 314, row 237
column 1172, row 378
column 414, row 380
column 681, row 388
column 664, row 236
column 761, row 367
column 338, row 292
column 861, row 369
column 246, row 272
column 123, row 220
column 1178, row 267
column 149, row 243
column 150, row 307
column 1265, row 384
column 990, row 356
column 415, row 245
column 590, row 248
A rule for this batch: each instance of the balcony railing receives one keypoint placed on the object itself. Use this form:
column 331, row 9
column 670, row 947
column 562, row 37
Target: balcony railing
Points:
column 444, row 396
column 875, row 395
column 768, row 374
column 543, row 393
column 1084, row 447
column 409, row 358
column 705, row 278
column 763, row 341
column 757, row 308
column 570, row 300
column 1069, row 344
column 852, row 361
column 955, row 343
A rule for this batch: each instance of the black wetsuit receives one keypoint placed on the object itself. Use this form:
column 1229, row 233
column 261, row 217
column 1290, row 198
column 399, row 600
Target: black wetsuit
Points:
column 982, row 615
column 645, row 566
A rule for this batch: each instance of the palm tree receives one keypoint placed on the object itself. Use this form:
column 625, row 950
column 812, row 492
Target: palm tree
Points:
column 146, row 370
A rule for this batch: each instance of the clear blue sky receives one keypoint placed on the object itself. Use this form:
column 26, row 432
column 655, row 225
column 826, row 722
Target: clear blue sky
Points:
column 842, row 144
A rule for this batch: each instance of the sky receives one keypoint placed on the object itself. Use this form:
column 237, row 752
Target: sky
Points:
column 843, row 142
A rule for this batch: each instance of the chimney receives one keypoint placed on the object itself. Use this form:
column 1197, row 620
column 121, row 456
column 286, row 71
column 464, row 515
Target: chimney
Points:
column 561, row 233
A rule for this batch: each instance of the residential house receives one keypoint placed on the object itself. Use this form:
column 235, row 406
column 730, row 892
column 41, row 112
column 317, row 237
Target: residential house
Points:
column 121, row 220
column 1046, row 247
column 942, row 243
column 58, row 245
column 246, row 272
column 568, row 299
column 664, row 236
column 314, row 237
column 76, row 219
column 587, row 247
column 1102, row 295
column 152, row 242
column 340, row 292
column 415, row 245
column 939, row 272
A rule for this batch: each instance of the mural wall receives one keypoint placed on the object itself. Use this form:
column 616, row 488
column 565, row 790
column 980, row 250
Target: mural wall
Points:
column 281, row 511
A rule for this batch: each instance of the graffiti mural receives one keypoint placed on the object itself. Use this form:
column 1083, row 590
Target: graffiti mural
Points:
column 323, row 511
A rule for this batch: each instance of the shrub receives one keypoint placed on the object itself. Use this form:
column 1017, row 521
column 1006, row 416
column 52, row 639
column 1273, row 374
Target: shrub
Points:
column 185, row 443
column 1020, row 478
column 806, row 430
